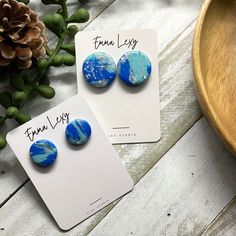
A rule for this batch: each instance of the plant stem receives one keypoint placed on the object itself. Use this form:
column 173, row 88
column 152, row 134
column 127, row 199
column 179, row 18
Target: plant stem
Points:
column 64, row 10
column 63, row 34
column 55, row 51
column 51, row 53
column 57, row 48
column 48, row 50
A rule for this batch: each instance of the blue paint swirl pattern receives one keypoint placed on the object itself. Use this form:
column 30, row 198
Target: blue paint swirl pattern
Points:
column 78, row 132
column 43, row 152
column 99, row 69
column 134, row 68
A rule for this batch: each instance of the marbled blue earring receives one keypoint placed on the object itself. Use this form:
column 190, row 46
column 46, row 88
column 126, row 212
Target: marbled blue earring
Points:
column 134, row 68
column 99, row 69
column 43, row 153
column 78, row 132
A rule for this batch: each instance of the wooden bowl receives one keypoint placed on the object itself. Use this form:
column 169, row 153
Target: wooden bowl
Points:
column 214, row 62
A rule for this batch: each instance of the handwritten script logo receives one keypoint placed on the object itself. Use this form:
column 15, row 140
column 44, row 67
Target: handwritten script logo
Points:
column 98, row 42
column 50, row 123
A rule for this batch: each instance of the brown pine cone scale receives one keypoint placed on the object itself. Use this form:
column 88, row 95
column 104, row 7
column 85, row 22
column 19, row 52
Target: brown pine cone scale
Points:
column 21, row 34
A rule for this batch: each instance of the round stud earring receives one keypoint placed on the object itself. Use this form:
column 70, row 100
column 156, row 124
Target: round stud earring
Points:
column 134, row 68
column 99, row 69
column 78, row 132
column 43, row 153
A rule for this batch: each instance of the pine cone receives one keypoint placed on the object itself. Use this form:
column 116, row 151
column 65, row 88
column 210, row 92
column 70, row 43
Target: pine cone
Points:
column 21, row 34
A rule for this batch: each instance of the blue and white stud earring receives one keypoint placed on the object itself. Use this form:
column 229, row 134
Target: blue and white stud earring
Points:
column 99, row 69
column 78, row 132
column 134, row 68
column 43, row 153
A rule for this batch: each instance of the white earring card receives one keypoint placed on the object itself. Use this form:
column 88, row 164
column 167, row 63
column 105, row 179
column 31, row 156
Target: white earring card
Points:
column 83, row 179
column 126, row 114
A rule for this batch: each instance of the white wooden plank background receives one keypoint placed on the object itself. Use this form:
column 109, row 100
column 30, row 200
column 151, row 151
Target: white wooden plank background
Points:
column 183, row 118
column 176, row 84
column 25, row 214
column 181, row 194
column 224, row 224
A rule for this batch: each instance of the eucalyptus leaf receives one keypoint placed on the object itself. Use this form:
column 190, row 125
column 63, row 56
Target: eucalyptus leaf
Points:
column 45, row 91
column 72, row 30
column 69, row 47
column 80, row 16
column 11, row 112
column 68, row 59
column 19, row 97
column 22, row 118
column 54, row 22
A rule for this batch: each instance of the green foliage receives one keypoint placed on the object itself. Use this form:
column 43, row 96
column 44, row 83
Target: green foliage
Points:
column 24, row 1
column 69, row 47
column 3, row 142
column 80, row 16
column 22, row 118
column 57, row 60
column 72, row 30
column 2, row 119
column 5, row 99
column 47, row 2
column 44, row 80
column 55, row 23
column 19, row 97
column 11, row 112
column 83, row 1
column 68, row 59
column 17, row 83
column 45, row 91
column 27, row 84
column 43, row 65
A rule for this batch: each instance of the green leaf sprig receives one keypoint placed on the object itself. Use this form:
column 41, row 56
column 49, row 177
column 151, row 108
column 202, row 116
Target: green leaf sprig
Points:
column 27, row 83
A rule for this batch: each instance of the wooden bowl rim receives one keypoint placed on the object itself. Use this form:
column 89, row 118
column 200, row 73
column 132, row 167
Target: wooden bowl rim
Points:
column 199, row 84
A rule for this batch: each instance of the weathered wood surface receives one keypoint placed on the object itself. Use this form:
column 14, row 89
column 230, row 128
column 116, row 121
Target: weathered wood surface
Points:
column 179, row 105
column 182, row 193
column 178, row 102
column 224, row 224
column 175, row 22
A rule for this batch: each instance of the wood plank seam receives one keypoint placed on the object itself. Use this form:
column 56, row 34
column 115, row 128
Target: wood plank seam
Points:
column 218, row 216
column 98, row 15
column 12, row 194
column 114, row 204
column 178, row 36
column 199, row 194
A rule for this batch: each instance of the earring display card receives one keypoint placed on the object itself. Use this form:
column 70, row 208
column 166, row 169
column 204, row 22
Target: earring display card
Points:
column 126, row 114
column 83, row 179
